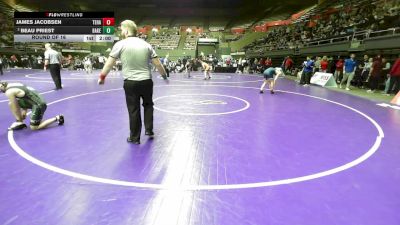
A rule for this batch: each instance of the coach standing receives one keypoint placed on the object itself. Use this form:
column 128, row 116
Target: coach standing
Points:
column 349, row 69
column 53, row 62
column 135, row 55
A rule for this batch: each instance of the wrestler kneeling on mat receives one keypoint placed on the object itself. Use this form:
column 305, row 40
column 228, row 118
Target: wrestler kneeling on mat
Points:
column 21, row 98
column 270, row 76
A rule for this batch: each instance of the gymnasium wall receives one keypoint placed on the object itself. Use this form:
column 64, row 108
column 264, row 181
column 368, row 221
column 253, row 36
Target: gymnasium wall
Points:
column 207, row 49
column 175, row 54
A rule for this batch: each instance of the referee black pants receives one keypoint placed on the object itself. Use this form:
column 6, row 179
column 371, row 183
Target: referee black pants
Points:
column 55, row 74
column 1, row 68
column 134, row 91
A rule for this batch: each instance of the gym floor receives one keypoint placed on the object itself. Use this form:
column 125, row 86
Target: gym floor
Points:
column 222, row 154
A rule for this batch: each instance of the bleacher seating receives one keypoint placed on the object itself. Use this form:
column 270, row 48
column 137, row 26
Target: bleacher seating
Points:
column 339, row 19
column 6, row 24
column 167, row 41
column 190, row 43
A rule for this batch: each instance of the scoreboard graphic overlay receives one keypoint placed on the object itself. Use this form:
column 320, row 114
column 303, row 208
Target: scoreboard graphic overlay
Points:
column 64, row 26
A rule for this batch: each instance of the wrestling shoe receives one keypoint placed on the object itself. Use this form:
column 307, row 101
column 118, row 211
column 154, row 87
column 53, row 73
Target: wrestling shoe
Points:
column 133, row 141
column 17, row 126
column 60, row 119
column 150, row 134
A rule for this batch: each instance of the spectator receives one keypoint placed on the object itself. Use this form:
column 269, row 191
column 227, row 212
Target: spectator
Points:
column 339, row 70
column 385, row 74
column 14, row 61
column 349, row 18
column 78, row 65
column 331, row 65
column 366, row 69
column 267, row 63
column 324, row 64
column 287, row 64
column 317, row 66
column 308, row 67
column 359, row 77
column 375, row 74
column 394, row 78
column 349, row 69
column 102, row 60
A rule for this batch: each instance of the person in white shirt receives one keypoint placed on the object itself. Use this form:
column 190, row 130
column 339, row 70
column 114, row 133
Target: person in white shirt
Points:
column 102, row 60
column 385, row 72
column 88, row 65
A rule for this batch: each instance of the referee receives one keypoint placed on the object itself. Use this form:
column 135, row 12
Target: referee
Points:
column 53, row 62
column 135, row 55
